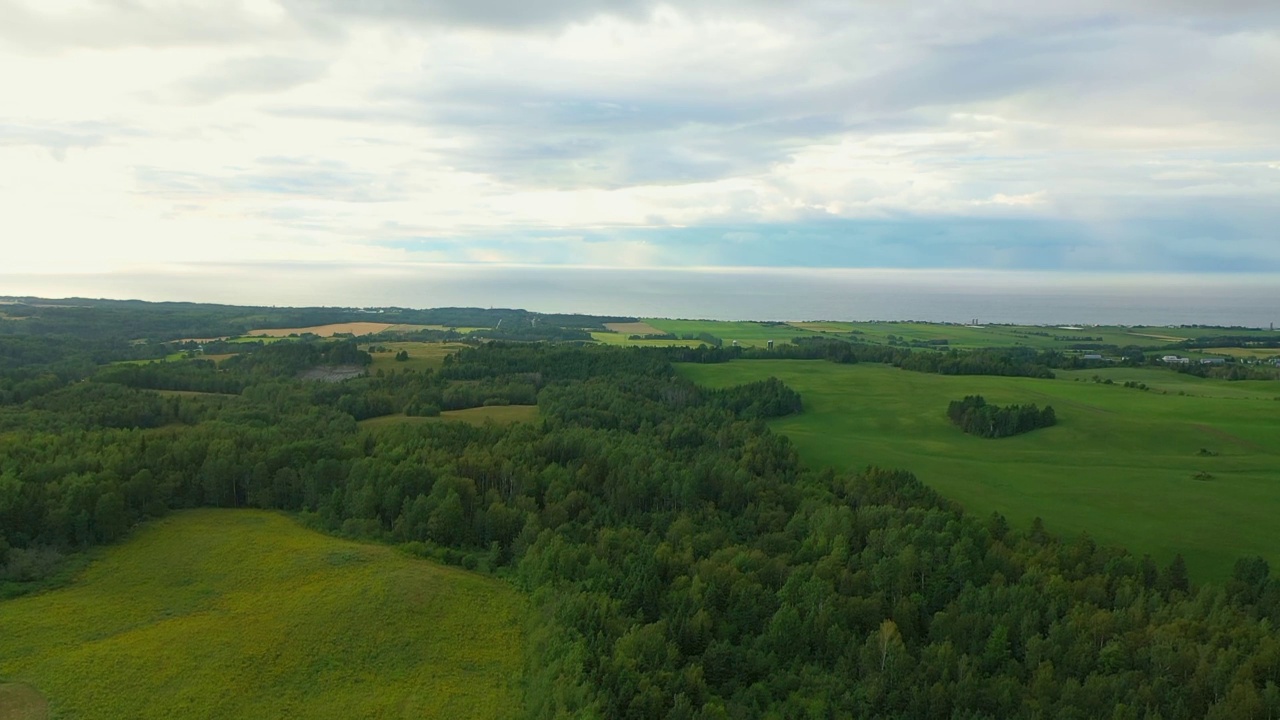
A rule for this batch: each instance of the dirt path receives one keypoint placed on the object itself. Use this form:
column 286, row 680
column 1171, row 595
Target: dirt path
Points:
column 1223, row 435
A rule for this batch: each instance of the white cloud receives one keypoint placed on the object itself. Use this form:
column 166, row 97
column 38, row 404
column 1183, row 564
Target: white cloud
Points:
column 264, row 130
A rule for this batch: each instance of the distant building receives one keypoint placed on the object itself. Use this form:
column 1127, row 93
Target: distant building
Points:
column 1212, row 361
column 1175, row 359
column 1093, row 356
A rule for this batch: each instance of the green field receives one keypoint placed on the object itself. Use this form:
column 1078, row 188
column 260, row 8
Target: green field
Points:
column 989, row 336
column 1252, row 353
column 957, row 336
column 245, row 614
column 1119, row 464
column 613, row 338
column 747, row 334
column 422, row 355
column 475, row 416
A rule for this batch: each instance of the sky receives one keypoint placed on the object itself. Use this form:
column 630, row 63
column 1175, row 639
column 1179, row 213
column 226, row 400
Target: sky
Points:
column 1091, row 136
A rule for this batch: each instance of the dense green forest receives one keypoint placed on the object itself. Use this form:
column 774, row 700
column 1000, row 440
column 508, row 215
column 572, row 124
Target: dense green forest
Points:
column 682, row 561
column 976, row 416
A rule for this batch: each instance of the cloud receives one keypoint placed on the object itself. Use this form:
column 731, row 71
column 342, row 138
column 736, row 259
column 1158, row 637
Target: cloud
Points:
column 501, row 14
column 52, row 26
column 248, row 75
column 60, row 138
column 1084, row 136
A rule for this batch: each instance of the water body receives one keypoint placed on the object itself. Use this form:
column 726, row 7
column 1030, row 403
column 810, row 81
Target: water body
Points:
column 720, row 294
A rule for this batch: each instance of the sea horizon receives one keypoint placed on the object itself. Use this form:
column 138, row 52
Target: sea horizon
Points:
column 722, row 293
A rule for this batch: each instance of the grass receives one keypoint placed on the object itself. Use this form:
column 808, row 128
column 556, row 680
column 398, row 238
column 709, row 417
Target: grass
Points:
column 621, row 340
column 422, row 356
column 264, row 339
column 958, row 336
column 1256, row 353
column 748, row 334
column 1119, row 464
column 475, row 416
column 238, row 613
column 192, row 394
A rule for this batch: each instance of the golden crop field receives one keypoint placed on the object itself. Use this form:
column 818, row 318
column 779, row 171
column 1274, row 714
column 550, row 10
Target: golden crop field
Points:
column 634, row 328
column 354, row 328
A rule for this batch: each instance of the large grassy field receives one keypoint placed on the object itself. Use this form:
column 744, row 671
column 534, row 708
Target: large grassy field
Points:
column 958, row 336
column 1120, row 463
column 245, row 614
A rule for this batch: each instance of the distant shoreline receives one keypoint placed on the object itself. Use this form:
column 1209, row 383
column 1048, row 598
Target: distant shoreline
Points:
column 764, row 294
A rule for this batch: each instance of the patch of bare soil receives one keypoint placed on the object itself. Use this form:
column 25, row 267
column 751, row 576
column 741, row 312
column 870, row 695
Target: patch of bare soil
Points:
column 19, row 701
column 332, row 373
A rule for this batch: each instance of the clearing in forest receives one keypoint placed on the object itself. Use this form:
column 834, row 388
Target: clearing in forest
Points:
column 501, row 414
column 1121, row 464
column 353, row 328
column 246, row 614
column 421, row 355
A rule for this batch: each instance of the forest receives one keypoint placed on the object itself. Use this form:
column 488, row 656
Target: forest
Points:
column 976, row 416
column 682, row 560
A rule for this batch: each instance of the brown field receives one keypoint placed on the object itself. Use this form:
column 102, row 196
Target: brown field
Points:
column 500, row 414
column 191, row 393
column 834, row 327
column 354, row 328
column 634, row 328
column 1166, row 338
column 22, row 702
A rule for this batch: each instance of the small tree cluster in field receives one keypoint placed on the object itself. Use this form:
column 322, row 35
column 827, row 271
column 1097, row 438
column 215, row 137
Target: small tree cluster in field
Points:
column 1136, row 385
column 976, row 417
